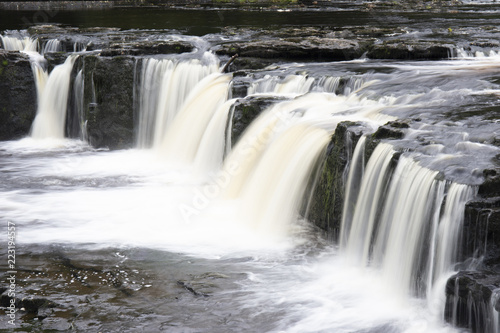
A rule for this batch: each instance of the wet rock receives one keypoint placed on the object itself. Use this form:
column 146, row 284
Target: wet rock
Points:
column 249, row 63
column 325, row 208
column 406, row 50
column 481, row 231
column 471, row 300
column 18, row 101
column 54, row 59
column 147, row 47
column 245, row 111
column 108, row 101
column 391, row 130
column 491, row 185
column 310, row 48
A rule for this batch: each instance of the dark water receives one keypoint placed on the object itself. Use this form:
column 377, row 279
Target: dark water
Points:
column 203, row 21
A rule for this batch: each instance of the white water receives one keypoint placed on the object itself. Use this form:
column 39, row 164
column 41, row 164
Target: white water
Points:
column 352, row 188
column 203, row 112
column 128, row 198
column 52, row 45
column 25, row 44
column 164, row 86
column 78, row 89
column 402, row 229
column 290, row 85
column 368, row 204
column 131, row 198
column 51, row 114
column 29, row 46
column 296, row 85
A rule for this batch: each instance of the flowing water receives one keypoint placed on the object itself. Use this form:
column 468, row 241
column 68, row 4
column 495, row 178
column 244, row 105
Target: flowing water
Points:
column 185, row 233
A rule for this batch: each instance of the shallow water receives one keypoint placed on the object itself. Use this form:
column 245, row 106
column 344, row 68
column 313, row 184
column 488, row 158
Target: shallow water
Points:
column 100, row 234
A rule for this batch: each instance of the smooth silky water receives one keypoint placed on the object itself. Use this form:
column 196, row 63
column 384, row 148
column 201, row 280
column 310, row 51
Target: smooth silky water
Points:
column 184, row 236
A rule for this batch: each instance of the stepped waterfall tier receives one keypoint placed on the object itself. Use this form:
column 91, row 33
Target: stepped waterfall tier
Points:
column 249, row 174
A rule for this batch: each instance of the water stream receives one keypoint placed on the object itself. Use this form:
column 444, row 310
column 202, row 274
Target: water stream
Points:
column 185, row 234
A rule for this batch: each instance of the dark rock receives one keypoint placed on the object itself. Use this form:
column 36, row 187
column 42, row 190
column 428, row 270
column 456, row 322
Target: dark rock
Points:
column 481, row 231
column 491, row 185
column 147, row 47
column 406, row 50
column 325, row 208
column 110, row 116
column 391, row 130
column 249, row 63
column 471, row 301
column 55, row 58
column 245, row 111
column 18, row 100
column 311, row 48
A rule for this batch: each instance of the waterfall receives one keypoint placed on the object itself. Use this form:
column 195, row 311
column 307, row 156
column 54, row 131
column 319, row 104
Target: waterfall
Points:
column 25, row 44
column 406, row 222
column 51, row 114
column 290, row 85
column 164, row 86
column 29, row 46
column 214, row 142
column 78, row 98
column 352, row 188
column 52, row 45
column 264, row 159
column 203, row 111
column 368, row 204
column 273, row 194
column 414, row 195
column 495, row 314
column 444, row 247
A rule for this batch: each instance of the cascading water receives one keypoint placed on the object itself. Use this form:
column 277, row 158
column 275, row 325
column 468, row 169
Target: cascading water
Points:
column 397, row 225
column 400, row 225
column 52, row 45
column 352, row 189
column 288, row 140
column 200, row 109
column 295, row 85
column 30, row 47
column 51, row 114
column 292, row 84
column 164, row 86
column 367, row 205
column 79, row 122
column 25, row 44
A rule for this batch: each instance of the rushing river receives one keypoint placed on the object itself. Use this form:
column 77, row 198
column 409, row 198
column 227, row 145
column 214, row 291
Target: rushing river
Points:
column 164, row 237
